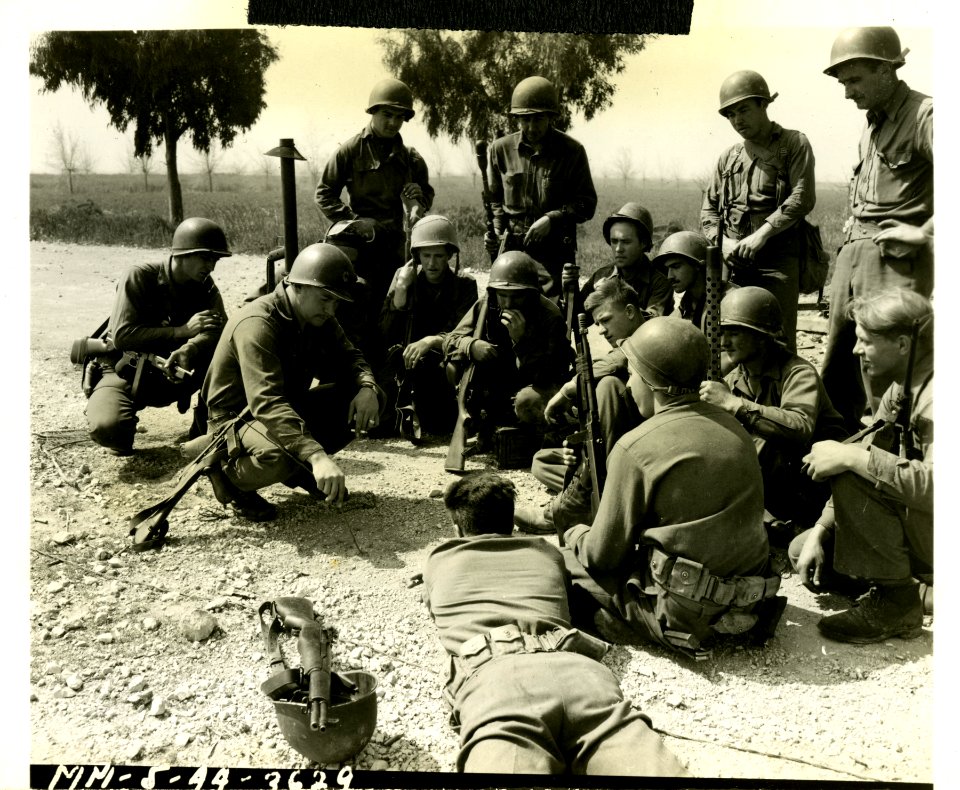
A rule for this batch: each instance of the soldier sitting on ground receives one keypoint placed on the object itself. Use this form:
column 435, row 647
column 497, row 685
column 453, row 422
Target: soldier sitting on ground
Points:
column 523, row 355
column 417, row 314
column 614, row 306
column 269, row 356
column 172, row 310
column 677, row 552
column 528, row 692
column 682, row 259
column 779, row 398
column 877, row 528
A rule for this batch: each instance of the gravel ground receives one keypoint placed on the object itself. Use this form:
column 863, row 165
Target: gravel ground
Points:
column 113, row 678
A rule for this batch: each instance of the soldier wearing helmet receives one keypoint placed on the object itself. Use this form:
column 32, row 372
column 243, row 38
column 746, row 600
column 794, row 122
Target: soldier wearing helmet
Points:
column 268, row 357
column 682, row 259
column 172, row 310
column 762, row 189
column 684, row 486
column 524, row 352
column 778, row 397
column 629, row 234
column 888, row 239
column 387, row 184
column 541, row 187
column 425, row 301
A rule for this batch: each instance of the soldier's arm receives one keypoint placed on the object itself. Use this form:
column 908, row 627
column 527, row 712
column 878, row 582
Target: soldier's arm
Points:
column 581, row 201
column 793, row 421
column 710, row 207
column 202, row 345
column 457, row 342
column 135, row 324
column 803, row 195
column 421, row 175
column 329, row 193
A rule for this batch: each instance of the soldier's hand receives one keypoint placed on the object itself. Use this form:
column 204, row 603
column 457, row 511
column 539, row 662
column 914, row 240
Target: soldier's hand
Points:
column 898, row 239
column 405, row 275
column 177, row 359
column 364, row 411
column 810, row 561
column 829, row 458
column 556, row 407
column 414, row 352
column 491, row 243
column 719, row 394
column 569, row 456
column 412, row 191
column 204, row 321
column 515, row 323
column 329, row 477
column 482, row 350
column 747, row 248
column 538, row 230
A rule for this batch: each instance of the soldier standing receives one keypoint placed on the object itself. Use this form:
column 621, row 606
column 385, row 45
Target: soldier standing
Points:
column 541, row 187
column 888, row 239
column 763, row 188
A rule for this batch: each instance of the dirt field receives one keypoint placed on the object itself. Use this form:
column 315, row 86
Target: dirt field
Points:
column 114, row 679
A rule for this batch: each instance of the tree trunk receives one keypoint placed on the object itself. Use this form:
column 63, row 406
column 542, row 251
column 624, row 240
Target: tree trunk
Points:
column 70, row 180
column 174, row 194
column 210, row 180
column 146, row 181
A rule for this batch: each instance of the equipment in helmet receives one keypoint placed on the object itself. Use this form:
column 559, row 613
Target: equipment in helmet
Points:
column 754, row 308
column 324, row 266
column 743, row 85
column 671, row 354
column 514, row 271
column 534, row 95
column 198, row 234
column 630, row 212
column 685, row 243
column 433, row 230
column 869, row 43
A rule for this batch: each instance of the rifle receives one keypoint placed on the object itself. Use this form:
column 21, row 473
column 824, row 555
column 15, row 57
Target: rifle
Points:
column 408, row 423
column 895, row 436
column 456, row 454
column 569, row 283
column 482, row 162
column 714, row 272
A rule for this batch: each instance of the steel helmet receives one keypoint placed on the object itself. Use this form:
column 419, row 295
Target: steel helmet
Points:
column 514, row 271
column 670, row 353
column 353, row 719
column 197, row 234
column 391, row 93
column 534, row 95
column 432, row 230
column 324, row 266
column 685, row 243
column 871, row 43
column 743, row 85
column 630, row 212
column 754, row 308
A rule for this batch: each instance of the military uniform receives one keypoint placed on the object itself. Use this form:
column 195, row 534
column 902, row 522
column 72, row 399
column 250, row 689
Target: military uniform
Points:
column 775, row 185
column 892, row 180
column 651, row 286
column 148, row 308
column 527, row 691
column 266, row 360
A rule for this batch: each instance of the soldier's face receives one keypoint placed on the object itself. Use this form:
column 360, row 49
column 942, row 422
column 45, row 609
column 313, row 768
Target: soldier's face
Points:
column 748, row 118
column 741, row 345
column 197, row 266
column 616, row 322
column 512, row 299
column 314, row 305
column 434, row 261
column 386, row 121
column 626, row 244
column 642, row 394
column 681, row 273
column 865, row 83
column 534, row 127
column 882, row 355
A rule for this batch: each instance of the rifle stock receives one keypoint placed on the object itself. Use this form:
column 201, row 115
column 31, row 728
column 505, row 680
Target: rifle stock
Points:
column 596, row 452
column 458, row 441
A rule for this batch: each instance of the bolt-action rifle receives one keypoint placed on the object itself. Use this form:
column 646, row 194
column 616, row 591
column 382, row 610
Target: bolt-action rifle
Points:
column 457, row 452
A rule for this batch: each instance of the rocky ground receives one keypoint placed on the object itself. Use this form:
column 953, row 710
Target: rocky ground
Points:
column 114, row 677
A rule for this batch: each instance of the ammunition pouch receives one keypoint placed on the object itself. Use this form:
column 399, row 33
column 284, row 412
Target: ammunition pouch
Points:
column 692, row 580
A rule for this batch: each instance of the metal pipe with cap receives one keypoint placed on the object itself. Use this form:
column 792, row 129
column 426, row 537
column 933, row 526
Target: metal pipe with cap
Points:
column 288, row 153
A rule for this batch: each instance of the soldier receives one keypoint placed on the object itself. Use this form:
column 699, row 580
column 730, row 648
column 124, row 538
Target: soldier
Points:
column 682, row 259
column 888, row 240
column 877, row 527
column 528, row 692
column 172, row 310
column 524, row 352
column 778, row 397
column 385, row 180
column 615, row 308
column 763, row 188
column 677, row 552
column 420, row 308
column 267, row 358
column 541, row 187
column 629, row 234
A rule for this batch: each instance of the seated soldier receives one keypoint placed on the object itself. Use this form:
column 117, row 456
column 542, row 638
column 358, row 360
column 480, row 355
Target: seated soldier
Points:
column 172, row 310
column 779, row 398
column 523, row 353
column 677, row 552
column 416, row 317
column 629, row 232
column 877, row 527
column 682, row 259
column 528, row 692
column 268, row 357
column 614, row 307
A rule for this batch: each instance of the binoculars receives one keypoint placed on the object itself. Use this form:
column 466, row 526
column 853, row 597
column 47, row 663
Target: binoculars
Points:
column 86, row 347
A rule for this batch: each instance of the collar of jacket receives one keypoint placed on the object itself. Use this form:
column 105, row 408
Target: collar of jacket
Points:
column 369, row 149
column 772, row 367
column 898, row 98
column 547, row 144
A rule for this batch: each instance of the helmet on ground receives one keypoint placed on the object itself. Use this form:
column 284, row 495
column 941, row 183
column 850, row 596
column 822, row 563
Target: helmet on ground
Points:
column 197, row 234
column 432, row 230
column 324, row 266
column 754, row 308
column 631, row 212
column 346, row 233
column 391, row 93
column 743, row 85
column 685, row 243
column 514, row 271
column 670, row 353
column 870, row 43
column 534, row 95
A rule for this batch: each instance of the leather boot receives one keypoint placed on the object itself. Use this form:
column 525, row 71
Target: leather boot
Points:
column 248, row 504
column 883, row 612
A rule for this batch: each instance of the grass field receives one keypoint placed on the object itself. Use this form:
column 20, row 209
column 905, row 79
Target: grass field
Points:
column 115, row 209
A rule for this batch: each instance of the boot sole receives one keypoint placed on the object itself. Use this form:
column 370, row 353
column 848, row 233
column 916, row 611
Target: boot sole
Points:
column 910, row 632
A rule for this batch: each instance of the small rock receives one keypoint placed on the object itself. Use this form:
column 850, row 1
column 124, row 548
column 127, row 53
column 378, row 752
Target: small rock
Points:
column 115, row 562
column 64, row 693
column 100, row 568
column 100, row 618
column 106, row 638
column 217, row 603
column 73, row 682
column 674, row 700
column 140, row 698
column 52, row 668
column 63, row 538
column 85, row 469
column 199, row 625
column 134, row 750
column 150, row 623
column 55, row 587
column 436, row 493
column 182, row 692
column 182, row 739
column 124, row 671
column 57, row 631
column 380, row 765
column 158, row 707
column 102, row 555
column 105, row 689
column 137, row 683
column 34, row 697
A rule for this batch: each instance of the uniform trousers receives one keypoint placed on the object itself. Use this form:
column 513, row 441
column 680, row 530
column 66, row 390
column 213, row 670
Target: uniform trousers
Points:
column 554, row 712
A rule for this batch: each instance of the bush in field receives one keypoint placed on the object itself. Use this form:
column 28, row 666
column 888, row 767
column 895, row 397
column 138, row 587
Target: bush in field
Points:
column 87, row 223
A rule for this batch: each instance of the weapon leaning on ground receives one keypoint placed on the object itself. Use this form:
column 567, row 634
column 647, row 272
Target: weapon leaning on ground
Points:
column 456, row 454
column 711, row 324
column 482, row 162
column 408, row 423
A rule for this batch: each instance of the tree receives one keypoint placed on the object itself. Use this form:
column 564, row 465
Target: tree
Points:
column 476, row 71
column 142, row 164
column 623, row 164
column 69, row 154
column 164, row 83
column 209, row 161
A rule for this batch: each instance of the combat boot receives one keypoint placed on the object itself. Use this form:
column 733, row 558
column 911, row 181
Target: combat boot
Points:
column 531, row 520
column 248, row 504
column 882, row 613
